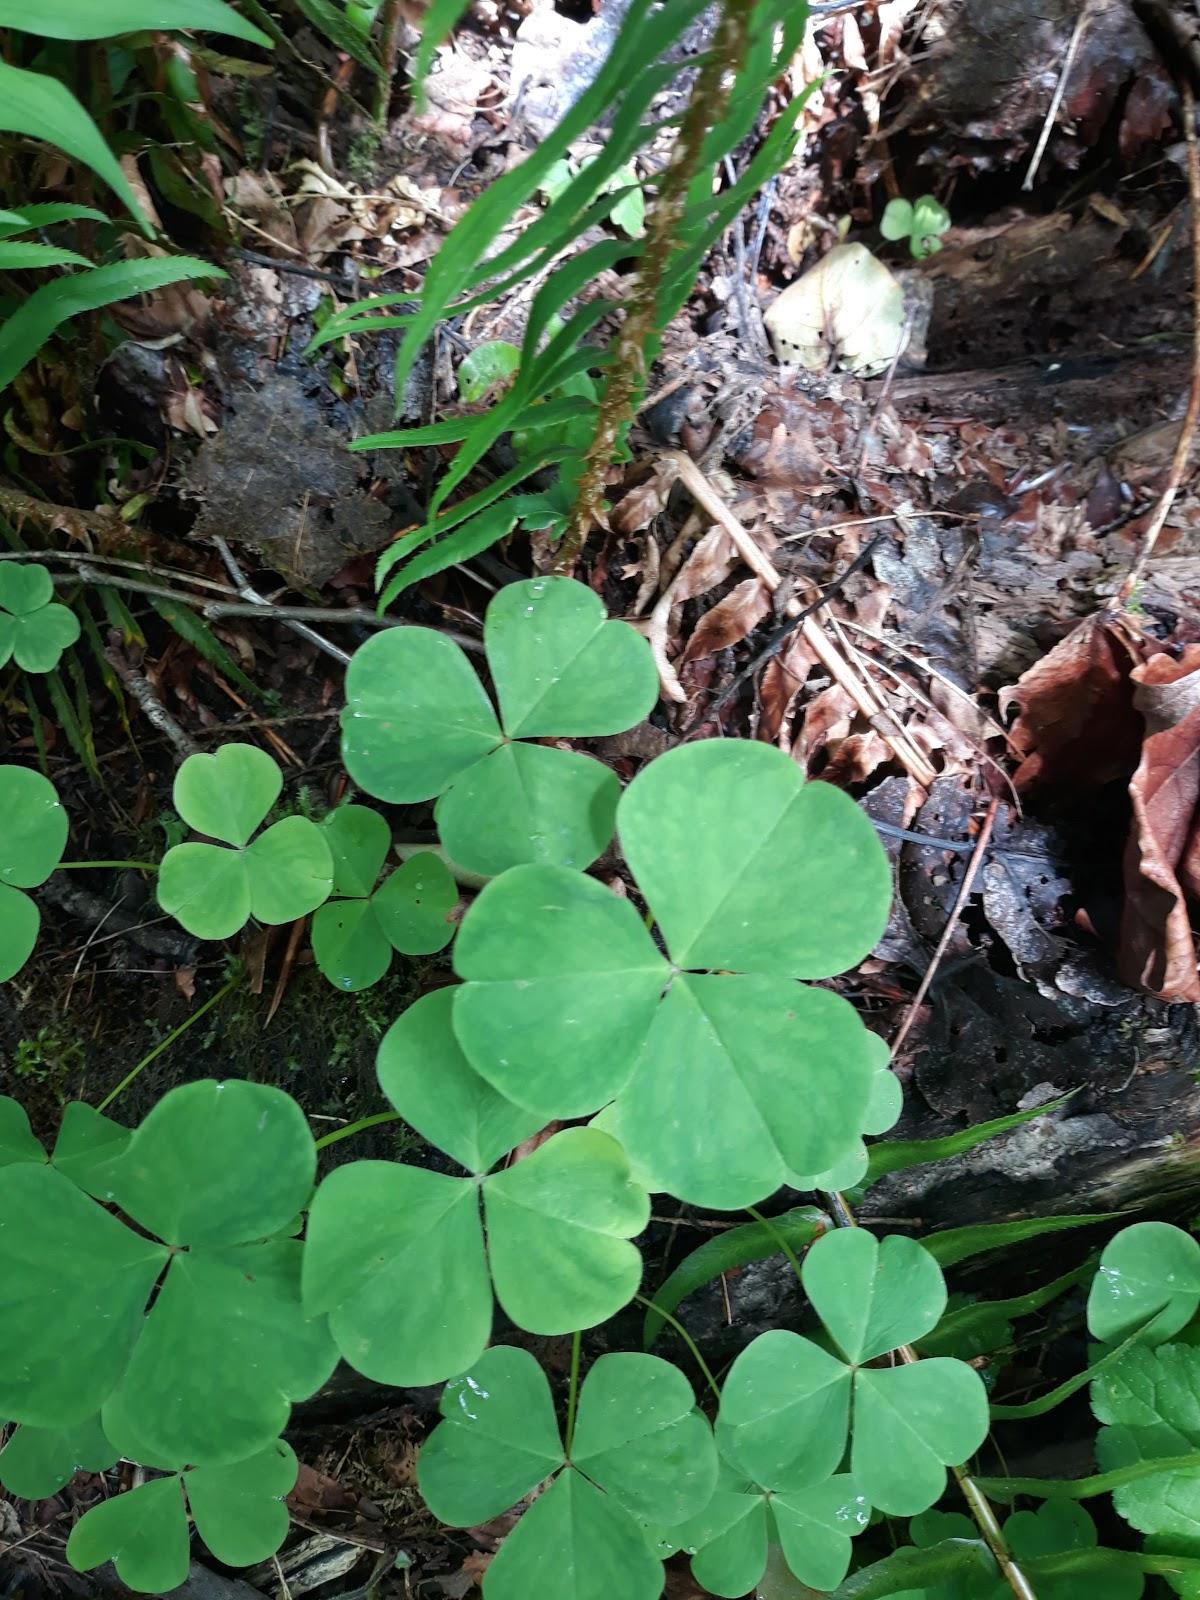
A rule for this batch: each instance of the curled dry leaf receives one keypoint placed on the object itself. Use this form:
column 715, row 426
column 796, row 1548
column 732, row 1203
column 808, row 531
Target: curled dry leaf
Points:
column 848, row 309
column 1162, row 858
column 730, row 620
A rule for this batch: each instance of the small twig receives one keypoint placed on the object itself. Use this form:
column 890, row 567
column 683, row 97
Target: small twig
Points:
column 1060, row 89
column 1187, row 428
column 142, row 691
column 248, row 592
column 868, row 432
column 960, row 900
column 752, row 334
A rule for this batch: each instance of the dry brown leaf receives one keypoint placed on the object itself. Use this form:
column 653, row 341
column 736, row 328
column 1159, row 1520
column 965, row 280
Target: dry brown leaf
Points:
column 1077, row 724
column 729, row 621
column 1157, row 949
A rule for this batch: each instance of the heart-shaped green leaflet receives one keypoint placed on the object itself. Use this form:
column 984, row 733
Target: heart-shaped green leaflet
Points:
column 787, row 1403
column 558, row 1230
column 17, row 1142
column 32, row 630
column 37, row 1462
column 214, row 1169
column 1148, row 1400
column 34, row 836
column 212, row 891
column 418, row 724
column 1149, row 1269
column 641, row 1450
column 238, row 1511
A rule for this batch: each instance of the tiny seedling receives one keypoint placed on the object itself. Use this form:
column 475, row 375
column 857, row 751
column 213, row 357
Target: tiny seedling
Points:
column 922, row 223
column 34, row 630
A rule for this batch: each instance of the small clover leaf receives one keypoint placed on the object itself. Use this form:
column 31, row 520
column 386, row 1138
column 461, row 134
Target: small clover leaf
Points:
column 283, row 874
column 213, row 1171
column 1148, row 1398
column 1146, row 1270
column 33, row 630
column 37, row 1462
column 419, row 725
column 558, row 1252
column 787, row 1404
column 238, row 1511
column 486, row 367
column 569, row 1001
column 354, row 934
column 34, row 837
column 897, row 220
column 640, row 1450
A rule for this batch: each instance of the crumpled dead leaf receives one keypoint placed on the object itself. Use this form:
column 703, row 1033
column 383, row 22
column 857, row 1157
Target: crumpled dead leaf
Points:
column 1162, row 858
column 849, row 309
column 729, row 621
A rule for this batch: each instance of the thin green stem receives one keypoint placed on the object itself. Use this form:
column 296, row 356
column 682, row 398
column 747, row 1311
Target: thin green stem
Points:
column 1087, row 1488
column 673, row 1322
column 573, row 1390
column 169, row 1040
column 779, row 1240
column 357, row 1127
column 83, row 866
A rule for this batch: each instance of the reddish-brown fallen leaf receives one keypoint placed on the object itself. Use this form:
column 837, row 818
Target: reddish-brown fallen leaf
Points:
column 1077, row 724
column 1157, row 948
column 729, row 621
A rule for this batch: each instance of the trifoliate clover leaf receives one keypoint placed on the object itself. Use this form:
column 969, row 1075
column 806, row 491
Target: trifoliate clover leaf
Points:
column 813, row 1525
column 641, row 1453
column 1055, row 1529
column 37, row 1462
column 34, row 837
column 1148, row 1270
column 419, row 725
column 213, row 1171
column 558, row 1253
column 33, row 630
column 1151, row 1400
column 728, row 1073
column 354, row 934
column 788, row 1405
column 281, row 875
column 238, row 1511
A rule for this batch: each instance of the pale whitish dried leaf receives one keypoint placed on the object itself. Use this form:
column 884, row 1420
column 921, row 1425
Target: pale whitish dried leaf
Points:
column 849, row 308
column 729, row 621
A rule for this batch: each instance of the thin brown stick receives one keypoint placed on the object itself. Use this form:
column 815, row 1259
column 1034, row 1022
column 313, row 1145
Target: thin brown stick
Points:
column 1187, row 429
column 1056, row 101
column 142, row 692
column 960, row 900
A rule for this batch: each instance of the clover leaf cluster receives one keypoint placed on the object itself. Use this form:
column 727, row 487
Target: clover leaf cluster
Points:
column 34, row 629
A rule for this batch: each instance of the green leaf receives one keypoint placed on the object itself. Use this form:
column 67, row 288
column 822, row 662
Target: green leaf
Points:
column 729, row 1538
column 785, row 1407
column 27, row 254
column 528, row 803
column 485, row 367
column 39, row 107
column 102, row 19
column 972, row 1328
column 184, row 1173
column 35, row 828
column 499, row 1439
column 953, row 1245
column 560, row 666
column 559, row 1225
column 563, row 968
column 205, row 888
column 873, row 1297
column 416, row 715
column 726, row 1252
column 1151, row 1400
column 197, row 1387
column 897, row 1155
column 84, row 1281
column 332, row 21
column 37, row 1462
column 414, row 903
column 17, row 1143
column 395, row 1255
column 897, row 219
column 20, row 920
column 238, row 1509
column 227, row 795
column 144, row 1532
column 288, row 871
column 44, row 215
column 36, row 642
column 910, row 1423
column 197, row 633
column 629, row 212
column 24, row 333
column 911, row 1574
column 591, row 1546
column 87, row 1149
column 349, row 946
column 472, row 536
column 430, row 1082
column 1145, row 1270
column 705, row 828
column 359, row 840
column 815, row 1526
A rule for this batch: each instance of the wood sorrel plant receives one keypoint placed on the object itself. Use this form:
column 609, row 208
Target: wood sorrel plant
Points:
column 170, row 1291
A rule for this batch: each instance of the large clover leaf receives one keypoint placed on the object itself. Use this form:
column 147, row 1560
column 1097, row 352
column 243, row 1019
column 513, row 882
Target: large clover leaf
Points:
column 813, row 1525
column 354, row 934
column 641, row 1452
column 33, row 630
column 756, row 878
column 1151, row 1400
column 1148, row 1270
column 37, row 1462
column 213, row 1171
column 418, row 725
column 33, row 838
column 238, row 1511
column 787, row 1405
column 281, row 875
